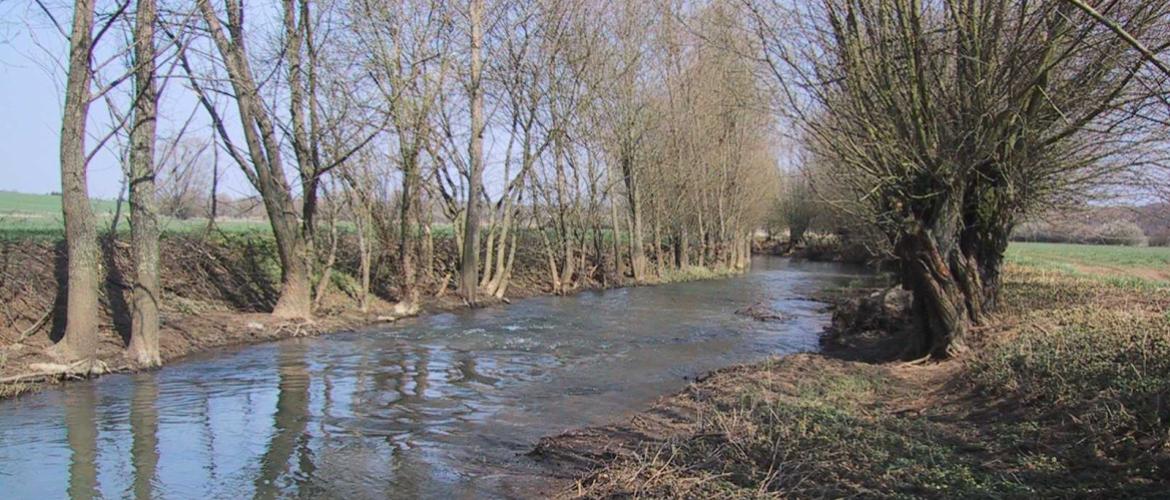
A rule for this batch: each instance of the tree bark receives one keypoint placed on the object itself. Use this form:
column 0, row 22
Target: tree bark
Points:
column 619, row 265
column 634, row 195
column 408, row 244
column 469, row 264
column 502, row 288
column 81, row 308
column 940, row 308
column 144, row 232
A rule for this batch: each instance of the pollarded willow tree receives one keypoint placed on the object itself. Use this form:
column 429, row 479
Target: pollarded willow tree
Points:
column 947, row 121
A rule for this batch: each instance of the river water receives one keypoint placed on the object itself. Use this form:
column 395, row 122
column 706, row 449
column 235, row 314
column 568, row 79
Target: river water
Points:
column 438, row 406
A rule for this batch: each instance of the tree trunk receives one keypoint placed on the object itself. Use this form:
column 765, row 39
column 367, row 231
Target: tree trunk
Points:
column 295, row 300
column 505, row 229
column 983, row 245
column 940, row 310
column 468, row 279
column 637, row 252
column 81, row 313
column 489, row 252
column 502, row 287
column 263, row 167
column 747, row 250
column 732, row 262
column 144, row 233
column 408, row 245
column 702, row 253
column 619, row 265
column 659, row 257
column 550, row 257
column 327, row 268
column 364, row 262
column 428, row 251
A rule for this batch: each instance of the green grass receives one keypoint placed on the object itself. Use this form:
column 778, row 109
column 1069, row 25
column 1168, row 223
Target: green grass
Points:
column 38, row 216
column 1098, row 255
column 1128, row 267
column 42, row 205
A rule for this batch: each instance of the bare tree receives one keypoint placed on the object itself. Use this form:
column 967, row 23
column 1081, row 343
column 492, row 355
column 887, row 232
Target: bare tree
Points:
column 406, row 46
column 945, row 132
column 185, row 178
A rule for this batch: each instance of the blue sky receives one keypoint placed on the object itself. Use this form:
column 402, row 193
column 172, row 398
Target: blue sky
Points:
column 31, row 53
column 31, row 108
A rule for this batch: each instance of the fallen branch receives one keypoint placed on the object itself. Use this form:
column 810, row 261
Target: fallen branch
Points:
column 35, row 326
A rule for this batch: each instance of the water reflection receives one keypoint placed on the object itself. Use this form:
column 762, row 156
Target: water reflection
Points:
column 144, row 428
column 289, row 422
column 81, row 428
column 438, row 406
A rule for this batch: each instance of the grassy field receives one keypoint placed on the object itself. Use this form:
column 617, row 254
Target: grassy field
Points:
column 42, row 205
column 1064, row 394
column 24, row 215
column 1139, row 266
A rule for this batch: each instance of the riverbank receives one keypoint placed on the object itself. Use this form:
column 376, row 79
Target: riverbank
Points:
column 217, row 291
column 1066, row 394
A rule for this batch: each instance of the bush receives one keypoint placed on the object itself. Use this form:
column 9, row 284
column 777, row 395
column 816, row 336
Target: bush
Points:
column 1121, row 232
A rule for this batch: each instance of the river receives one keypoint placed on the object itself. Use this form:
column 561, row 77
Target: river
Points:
column 443, row 405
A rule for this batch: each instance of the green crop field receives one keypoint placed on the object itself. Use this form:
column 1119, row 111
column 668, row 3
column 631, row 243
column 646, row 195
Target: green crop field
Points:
column 24, row 215
column 42, row 205
column 1150, row 265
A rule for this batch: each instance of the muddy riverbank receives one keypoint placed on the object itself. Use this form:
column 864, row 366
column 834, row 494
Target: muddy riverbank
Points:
column 216, row 293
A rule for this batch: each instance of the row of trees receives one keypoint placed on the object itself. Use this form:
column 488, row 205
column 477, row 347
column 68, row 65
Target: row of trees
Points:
column 943, row 123
column 620, row 141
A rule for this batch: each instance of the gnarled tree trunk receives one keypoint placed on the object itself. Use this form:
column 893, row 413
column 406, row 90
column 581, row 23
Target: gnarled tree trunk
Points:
column 939, row 304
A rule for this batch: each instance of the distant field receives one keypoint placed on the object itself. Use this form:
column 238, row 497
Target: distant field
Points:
column 1112, row 263
column 42, row 204
column 24, row 215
